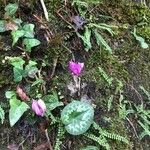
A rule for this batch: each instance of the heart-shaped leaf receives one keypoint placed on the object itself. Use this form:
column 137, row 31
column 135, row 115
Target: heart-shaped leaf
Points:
column 77, row 117
column 17, row 109
column 29, row 43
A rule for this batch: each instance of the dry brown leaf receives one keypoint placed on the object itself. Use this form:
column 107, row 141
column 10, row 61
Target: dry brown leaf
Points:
column 12, row 147
column 43, row 146
column 11, row 26
column 22, row 94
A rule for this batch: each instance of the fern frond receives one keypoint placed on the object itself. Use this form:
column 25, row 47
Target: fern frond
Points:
column 100, row 140
column 59, row 137
column 110, row 135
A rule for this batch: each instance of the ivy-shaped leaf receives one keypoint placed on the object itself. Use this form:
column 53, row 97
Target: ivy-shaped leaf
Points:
column 52, row 101
column 11, row 9
column 10, row 94
column 77, row 117
column 18, row 74
column 31, row 69
column 17, row 62
column 17, row 21
column 2, row 26
column 16, row 34
column 29, row 43
column 29, row 30
column 17, row 109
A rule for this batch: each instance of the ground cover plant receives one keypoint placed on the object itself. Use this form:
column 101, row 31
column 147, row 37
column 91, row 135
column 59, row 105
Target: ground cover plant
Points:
column 74, row 75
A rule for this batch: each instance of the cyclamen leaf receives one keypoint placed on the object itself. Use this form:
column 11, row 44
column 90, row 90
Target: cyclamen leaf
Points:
column 11, row 9
column 17, row 109
column 77, row 117
column 2, row 26
column 16, row 34
column 29, row 43
column 29, row 30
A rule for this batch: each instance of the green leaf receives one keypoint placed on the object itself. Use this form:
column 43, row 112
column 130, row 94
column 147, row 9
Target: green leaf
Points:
column 108, row 79
column 17, row 62
column 101, row 41
column 145, row 92
column 141, row 40
column 16, row 34
column 52, row 101
column 2, row 26
column 86, row 38
column 31, row 69
column 77, row 117
column 17, row 109
column 29, row 43
column 18, row 74
column 29, row 30
column 10, row 94
column 2, row 114
column 38, row 81
column 90, row 148
column 17, row 21
column 11, row 9
column 103, row 26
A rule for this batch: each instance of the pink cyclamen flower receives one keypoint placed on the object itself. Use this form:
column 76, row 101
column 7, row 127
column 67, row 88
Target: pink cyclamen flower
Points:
column 39, row 107
column 76, row 67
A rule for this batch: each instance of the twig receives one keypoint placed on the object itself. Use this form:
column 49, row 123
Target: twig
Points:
column 21, row 144
column 50, row 146
column 137, row 93
column 44, row 9
column 132, row 126
column 54, row 66
column 73, row 57
column 65, row 19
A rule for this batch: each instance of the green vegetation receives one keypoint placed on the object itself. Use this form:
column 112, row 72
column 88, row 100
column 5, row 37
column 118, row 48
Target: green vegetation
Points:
column 81, row 79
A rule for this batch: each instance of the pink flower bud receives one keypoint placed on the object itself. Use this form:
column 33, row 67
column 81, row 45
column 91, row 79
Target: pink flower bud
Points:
column 76, row 68
column 39, row 107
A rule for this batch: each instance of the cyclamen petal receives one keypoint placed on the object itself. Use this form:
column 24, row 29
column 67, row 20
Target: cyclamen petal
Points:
column 42, row 104
column 76, row 68
column 39, row 107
